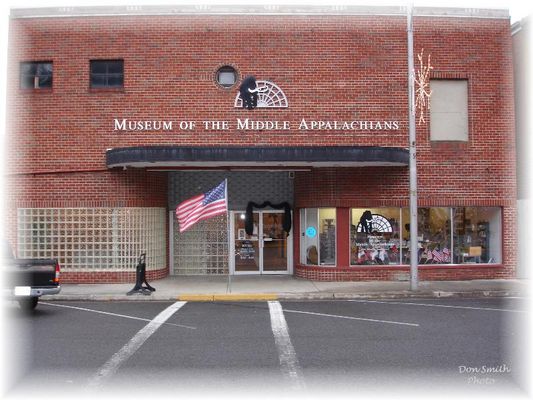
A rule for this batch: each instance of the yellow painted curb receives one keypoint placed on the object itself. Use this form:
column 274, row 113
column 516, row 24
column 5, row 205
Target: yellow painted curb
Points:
column 196, row 297
column 228, row 297
column 246, row 297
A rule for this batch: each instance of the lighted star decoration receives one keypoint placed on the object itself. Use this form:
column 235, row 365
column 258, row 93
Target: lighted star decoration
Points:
column 423, row 92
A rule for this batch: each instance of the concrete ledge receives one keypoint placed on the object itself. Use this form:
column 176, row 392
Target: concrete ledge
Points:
column 259, row 9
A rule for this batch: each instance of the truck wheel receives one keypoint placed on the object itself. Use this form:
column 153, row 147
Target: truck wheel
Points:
column 29, row 303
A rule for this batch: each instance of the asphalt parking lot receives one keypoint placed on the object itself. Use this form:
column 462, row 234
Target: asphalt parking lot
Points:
column 311, row 348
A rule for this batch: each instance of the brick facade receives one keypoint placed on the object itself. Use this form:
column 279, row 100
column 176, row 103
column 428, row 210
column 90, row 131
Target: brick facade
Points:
column 331, row 67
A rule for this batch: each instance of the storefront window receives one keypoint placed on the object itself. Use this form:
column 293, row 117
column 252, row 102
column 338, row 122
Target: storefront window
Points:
column 309, row 236
column 381, row 236
column 434, row 235
column 406, row 218
column 476, row 235
column 375, row 237
column 318, row 240
column 328, row 227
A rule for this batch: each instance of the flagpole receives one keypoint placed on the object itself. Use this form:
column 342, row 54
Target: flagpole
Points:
column 229, row 233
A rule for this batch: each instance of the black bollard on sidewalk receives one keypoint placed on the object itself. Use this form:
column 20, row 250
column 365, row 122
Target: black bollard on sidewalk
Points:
column 140, row 278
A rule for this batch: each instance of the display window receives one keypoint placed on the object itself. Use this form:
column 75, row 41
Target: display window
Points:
column 477, row 235
column 375, row 236
column 318, row 240
column 461, row 235
column 434, row 236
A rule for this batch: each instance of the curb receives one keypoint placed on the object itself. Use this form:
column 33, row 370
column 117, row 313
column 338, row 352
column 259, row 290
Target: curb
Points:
column 228, row 297
column 212, row 297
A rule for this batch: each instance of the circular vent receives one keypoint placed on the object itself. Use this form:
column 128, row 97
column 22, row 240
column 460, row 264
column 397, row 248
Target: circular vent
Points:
column 270, row 96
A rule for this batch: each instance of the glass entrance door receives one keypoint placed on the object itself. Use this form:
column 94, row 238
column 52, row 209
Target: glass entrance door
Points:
column 246, row 254
column 274, row 243
column 266, row 251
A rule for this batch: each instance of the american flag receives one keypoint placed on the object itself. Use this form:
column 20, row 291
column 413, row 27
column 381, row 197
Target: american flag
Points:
column 440, row 256
column 203, row 206
column 437, row 256
column 446, row 255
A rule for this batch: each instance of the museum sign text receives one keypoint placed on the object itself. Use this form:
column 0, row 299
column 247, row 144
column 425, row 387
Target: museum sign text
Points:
column 248, row 124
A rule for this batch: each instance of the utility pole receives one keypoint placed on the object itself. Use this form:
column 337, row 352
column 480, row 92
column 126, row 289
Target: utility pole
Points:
column 413, row 191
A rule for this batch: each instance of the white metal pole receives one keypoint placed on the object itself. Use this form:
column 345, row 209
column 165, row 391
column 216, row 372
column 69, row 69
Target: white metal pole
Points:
column 229, row 234
column 413, row 190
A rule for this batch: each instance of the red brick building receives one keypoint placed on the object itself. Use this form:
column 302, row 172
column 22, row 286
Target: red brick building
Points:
column 116, row 115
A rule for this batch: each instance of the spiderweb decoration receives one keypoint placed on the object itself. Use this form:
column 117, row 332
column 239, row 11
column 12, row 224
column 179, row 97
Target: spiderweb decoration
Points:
column 423, row 93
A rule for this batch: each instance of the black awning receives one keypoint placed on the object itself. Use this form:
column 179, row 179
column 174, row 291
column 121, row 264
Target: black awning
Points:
column 178, row 156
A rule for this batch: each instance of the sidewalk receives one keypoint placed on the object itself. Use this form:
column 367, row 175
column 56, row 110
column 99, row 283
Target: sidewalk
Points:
column 250, row 288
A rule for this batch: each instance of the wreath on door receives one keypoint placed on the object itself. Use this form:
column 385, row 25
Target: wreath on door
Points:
column 249, row 218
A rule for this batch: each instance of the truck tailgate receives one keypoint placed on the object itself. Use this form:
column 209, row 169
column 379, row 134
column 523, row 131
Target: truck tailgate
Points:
column 26, row 272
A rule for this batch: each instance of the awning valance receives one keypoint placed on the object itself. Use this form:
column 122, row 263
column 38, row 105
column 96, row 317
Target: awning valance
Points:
column 276, row 157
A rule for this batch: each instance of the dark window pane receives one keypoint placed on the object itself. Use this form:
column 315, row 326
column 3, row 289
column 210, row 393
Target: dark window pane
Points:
column 115, row 67
column 98, row 80
column 45, row 81
column 28, row 68
column 98, row 67
column 44, row 69
column 26, row 82
column 115, row 80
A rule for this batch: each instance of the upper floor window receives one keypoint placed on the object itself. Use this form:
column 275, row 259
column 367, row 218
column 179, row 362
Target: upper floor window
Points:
column 226, row 76
column 107, row 73
column 449, row 110
column 35, row 75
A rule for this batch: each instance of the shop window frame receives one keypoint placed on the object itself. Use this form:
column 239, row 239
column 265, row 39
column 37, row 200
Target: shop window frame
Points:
column 303, row 219
column 453, row 263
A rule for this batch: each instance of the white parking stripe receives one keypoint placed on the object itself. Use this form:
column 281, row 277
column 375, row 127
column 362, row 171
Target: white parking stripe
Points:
column 290, row 367
column 437, row 305
column 354, row 318
column 114, row 363
column 112, row 314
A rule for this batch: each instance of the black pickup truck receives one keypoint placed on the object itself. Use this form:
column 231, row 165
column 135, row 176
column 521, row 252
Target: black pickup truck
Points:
column 25, row 280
